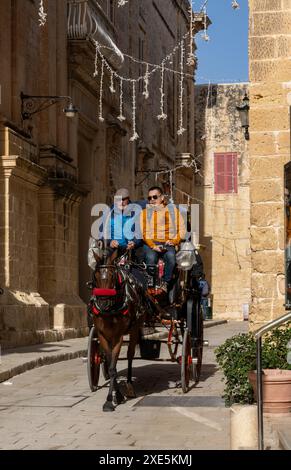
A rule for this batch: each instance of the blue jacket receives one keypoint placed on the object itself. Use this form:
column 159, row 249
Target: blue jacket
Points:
column 118, row 221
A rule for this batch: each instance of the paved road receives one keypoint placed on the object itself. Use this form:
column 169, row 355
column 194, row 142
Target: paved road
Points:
column 52, row 407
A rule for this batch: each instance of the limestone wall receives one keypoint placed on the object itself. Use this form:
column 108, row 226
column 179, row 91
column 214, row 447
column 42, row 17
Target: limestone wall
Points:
column 60, row 168
column 270, row 75
column 225, row 218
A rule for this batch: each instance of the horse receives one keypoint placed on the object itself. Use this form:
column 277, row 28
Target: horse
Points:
column 118, row 311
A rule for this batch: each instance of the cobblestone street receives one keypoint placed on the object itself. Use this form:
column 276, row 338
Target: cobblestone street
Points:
column 53, row 408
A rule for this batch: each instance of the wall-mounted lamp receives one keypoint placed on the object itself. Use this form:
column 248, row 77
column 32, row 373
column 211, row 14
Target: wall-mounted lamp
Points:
column 244, row 115
column 31, row 105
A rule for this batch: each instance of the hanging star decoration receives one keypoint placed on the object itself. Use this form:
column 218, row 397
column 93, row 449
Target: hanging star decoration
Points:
column 42, row 15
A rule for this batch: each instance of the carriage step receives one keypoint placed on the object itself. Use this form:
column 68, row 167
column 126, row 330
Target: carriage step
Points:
column 158, row 335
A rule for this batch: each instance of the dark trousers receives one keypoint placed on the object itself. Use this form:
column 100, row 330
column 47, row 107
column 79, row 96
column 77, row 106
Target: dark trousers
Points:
column 169, row 258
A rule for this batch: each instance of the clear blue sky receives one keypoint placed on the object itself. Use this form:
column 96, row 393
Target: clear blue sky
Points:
column 224, row 58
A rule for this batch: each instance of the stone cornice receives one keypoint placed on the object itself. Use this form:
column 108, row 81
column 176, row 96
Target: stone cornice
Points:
column 67, row 189
column 15, row 166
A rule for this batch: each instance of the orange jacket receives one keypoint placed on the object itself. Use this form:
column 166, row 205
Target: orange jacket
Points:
column 161, row 224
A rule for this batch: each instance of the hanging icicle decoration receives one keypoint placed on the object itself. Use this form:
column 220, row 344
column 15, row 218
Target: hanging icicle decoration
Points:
column 205, row 35
column 101, row 118
column 171, row 188
column 135, row 135
column 95, row 74
column 121, row 3
column 41, row 14
column 111, row 88
column 191, row 58
column 146, row 84
column 121, row 117
column 163, row 115
column 181, row 129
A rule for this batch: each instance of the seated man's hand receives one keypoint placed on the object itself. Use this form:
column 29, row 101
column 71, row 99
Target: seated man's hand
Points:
column 114, row 244
column 130, row 245
column 169, row 243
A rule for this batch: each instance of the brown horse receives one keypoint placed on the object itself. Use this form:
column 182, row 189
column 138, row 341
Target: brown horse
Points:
column 118, row 310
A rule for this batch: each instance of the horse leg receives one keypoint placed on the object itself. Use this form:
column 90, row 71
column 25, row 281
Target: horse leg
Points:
column 113, row 386
column 119, row 398
column 130, row 393
column 108, row 405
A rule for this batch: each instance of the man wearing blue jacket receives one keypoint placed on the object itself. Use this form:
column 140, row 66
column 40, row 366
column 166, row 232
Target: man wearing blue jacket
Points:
column 118, row 222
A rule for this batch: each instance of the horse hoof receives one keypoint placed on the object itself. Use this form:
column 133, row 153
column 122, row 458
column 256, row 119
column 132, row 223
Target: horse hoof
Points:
column 130, row 393
column 108, row 406
column 119, row 398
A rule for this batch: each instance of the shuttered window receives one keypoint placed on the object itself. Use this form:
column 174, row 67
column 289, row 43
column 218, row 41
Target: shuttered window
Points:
column 225, row 173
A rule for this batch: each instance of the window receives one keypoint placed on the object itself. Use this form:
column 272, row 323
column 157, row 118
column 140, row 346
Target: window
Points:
column 225, row 173
column 111, row 10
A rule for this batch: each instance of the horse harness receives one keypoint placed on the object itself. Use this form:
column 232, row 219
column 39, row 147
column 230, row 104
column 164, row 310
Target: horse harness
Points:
column 113, row 301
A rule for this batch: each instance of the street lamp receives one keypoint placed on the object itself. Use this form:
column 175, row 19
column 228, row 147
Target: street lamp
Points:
column 31, row 105
column 244, row 115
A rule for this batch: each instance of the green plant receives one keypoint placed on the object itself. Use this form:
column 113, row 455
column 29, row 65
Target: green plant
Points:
column 237, row 356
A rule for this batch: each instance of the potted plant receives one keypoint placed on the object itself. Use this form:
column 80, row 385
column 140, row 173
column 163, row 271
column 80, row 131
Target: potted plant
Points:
column 237, row 358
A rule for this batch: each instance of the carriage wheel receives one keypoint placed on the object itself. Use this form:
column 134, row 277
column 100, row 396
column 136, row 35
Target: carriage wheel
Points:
column 194, row 306
column 186, row 364
column 198, row 349
column 173, row 341
column 94, row 360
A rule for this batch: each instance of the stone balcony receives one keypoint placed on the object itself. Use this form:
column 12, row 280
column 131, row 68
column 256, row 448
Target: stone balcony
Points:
column 87, row 21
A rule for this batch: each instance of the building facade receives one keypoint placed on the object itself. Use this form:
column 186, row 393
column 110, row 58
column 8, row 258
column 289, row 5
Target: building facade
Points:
column 54, row 170
column 270, row 87
column 222, row 190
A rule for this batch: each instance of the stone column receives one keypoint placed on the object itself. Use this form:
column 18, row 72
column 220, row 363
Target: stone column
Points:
column 24, row 315
column 270, row 72
column 58, row 256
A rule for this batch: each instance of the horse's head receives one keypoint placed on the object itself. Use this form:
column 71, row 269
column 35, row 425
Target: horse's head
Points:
column 106, row 270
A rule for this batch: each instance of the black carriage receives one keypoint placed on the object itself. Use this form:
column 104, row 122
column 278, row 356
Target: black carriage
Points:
column 178, row 311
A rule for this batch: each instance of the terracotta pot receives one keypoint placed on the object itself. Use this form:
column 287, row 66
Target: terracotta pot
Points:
column 276, row 389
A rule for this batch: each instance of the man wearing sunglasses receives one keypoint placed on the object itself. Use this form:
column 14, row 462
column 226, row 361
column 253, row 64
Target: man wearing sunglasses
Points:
column 163, row 229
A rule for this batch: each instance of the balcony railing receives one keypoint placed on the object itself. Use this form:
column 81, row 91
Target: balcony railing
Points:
column 86, row 21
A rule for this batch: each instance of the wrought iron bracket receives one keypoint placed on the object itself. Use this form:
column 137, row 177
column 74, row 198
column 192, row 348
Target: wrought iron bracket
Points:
column 31, row 105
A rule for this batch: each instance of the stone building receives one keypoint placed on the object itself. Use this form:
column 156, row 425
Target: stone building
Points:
column 52, row 169
column 270, row 87
column 222, row 190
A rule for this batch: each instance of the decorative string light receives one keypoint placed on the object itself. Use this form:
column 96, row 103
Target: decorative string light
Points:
column 135, row 135
column 121, row 117
column 205, row 35
column 95, row 74
column 191, row 58
column 181, row 129
column 146, row 84
column 101, row 118
column 111, row 88
column 163, row 115
column 42, row 15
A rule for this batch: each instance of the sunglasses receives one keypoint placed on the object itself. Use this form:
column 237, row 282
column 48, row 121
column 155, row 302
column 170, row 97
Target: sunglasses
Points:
column 125, row 198
column 155, row 197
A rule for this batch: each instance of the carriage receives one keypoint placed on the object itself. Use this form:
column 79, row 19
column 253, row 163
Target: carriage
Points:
column 177, row 312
